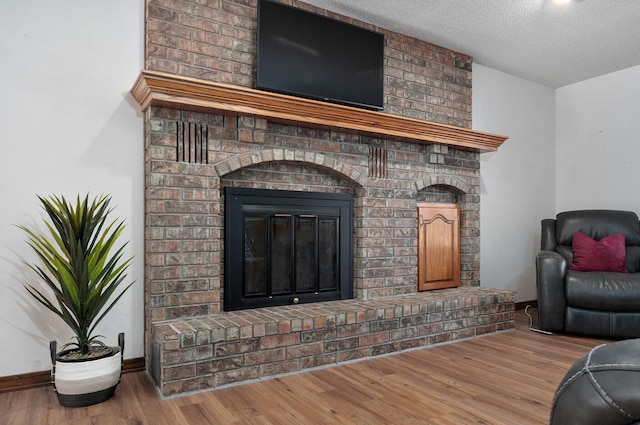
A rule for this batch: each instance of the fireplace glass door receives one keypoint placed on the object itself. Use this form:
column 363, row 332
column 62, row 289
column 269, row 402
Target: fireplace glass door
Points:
column 286, row 247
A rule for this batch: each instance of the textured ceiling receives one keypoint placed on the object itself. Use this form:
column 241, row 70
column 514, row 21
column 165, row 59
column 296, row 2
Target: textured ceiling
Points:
column 533, row 39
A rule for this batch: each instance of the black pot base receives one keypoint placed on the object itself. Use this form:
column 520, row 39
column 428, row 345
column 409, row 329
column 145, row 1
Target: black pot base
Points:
column 81, row 400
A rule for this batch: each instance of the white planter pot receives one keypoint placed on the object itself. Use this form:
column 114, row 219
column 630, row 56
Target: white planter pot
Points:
column 87, row 382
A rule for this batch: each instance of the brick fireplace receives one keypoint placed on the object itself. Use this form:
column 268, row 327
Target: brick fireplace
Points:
column 206, row 130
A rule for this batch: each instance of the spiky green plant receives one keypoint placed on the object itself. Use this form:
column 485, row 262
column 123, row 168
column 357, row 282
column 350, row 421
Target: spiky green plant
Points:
column 79, row 267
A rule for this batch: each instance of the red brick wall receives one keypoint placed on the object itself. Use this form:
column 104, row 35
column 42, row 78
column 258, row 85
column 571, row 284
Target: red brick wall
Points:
column 216, row 40
column 184, row 246
column 185, row 208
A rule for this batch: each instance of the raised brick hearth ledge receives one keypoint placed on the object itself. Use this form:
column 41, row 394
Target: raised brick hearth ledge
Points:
column 211, row 352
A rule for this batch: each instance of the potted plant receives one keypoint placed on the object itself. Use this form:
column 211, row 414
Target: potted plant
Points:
column 82, row 270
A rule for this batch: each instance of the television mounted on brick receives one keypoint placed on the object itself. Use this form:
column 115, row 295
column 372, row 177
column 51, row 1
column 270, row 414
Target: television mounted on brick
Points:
column 305, row 54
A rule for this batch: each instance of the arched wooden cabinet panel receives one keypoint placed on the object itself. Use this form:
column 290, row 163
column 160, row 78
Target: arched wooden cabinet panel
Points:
column 438, row 246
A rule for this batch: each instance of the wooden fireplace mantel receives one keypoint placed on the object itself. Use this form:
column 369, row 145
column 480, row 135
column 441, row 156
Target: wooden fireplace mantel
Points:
column 172, row 91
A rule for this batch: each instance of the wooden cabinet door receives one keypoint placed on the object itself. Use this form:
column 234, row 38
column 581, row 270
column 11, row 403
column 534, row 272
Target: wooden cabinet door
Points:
column 438, row 246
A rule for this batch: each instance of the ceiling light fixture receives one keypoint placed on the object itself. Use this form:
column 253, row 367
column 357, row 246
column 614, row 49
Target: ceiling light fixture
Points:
column 561, row 2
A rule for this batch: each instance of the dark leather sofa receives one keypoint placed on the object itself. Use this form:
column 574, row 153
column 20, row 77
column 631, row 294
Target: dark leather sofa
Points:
column 596, row 303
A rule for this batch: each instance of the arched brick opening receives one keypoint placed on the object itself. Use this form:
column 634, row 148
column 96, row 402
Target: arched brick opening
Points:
column 323, row 161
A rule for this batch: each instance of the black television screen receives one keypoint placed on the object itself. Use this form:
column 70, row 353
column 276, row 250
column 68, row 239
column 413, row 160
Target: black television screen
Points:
column 310, row 55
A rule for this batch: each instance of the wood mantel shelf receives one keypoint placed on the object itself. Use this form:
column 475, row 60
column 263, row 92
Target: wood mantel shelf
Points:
column 172, row 91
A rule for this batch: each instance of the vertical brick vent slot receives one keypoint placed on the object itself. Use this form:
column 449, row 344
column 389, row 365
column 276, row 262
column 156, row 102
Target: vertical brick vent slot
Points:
column 378, row 162
column 192, row 142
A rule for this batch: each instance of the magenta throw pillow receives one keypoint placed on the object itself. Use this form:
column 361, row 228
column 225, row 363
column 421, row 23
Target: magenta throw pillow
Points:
column 606, row 255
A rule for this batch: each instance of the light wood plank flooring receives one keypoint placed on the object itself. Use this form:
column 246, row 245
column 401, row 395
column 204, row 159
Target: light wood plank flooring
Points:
column 503, row 379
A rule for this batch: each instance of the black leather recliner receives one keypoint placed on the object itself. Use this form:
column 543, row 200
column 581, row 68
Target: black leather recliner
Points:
column 596, row 303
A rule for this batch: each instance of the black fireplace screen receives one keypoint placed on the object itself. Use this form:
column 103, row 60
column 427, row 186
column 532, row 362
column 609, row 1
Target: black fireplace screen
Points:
column 284, row 247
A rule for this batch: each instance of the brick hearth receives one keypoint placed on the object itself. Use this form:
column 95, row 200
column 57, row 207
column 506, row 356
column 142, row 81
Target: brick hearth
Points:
column 191, row 344
column 219, row 350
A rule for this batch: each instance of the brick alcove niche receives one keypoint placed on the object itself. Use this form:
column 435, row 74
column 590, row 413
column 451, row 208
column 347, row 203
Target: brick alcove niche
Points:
column 193, row 152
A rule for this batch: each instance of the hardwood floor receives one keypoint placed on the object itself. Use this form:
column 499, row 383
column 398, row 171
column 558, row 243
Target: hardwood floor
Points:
column 503, row 379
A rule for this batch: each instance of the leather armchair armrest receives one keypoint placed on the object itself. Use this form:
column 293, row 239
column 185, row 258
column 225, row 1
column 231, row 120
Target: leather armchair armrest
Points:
column 551, row 269
column 548, row 234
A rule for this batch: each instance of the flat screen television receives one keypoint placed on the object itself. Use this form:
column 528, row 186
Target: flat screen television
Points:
column 309, row 55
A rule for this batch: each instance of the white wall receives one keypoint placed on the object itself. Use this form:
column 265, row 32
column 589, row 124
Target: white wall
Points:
column 598, row 143
column 68, row 126
column 518, row 181
column 570, row 148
